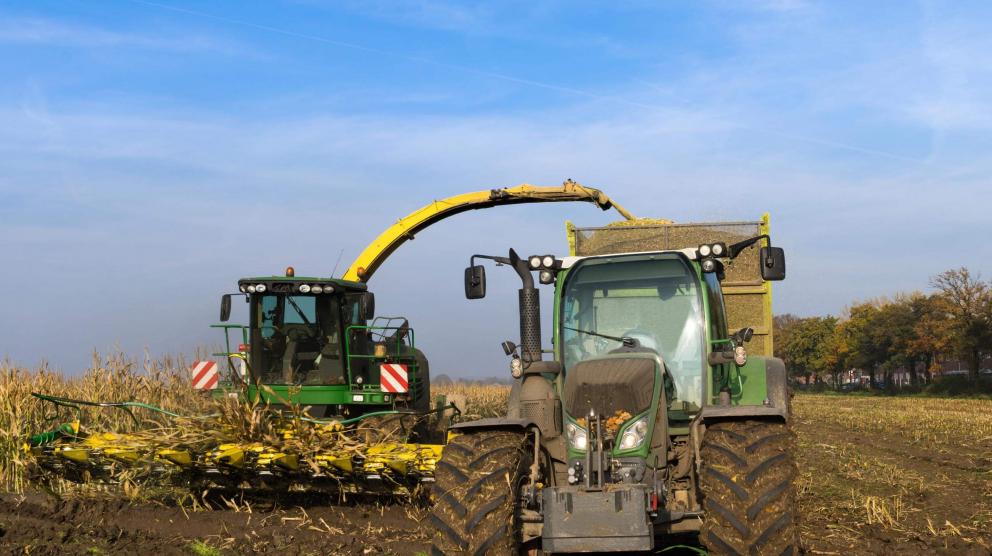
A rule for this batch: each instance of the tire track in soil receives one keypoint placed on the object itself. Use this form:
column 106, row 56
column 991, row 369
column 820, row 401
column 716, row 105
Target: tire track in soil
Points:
column 42, row 525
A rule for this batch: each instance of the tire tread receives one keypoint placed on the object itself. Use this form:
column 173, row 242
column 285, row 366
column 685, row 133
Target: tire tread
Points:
column 748, row 489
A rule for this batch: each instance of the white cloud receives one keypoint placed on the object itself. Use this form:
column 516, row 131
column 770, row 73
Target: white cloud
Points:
column 50, row 32
column 782, row 5
column 184, row 205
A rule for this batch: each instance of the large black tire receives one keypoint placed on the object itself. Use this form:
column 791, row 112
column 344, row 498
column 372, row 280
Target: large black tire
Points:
column 386, row 428
column 422, row 431
column 748, row 487
column 422, row 393
column 475, row 494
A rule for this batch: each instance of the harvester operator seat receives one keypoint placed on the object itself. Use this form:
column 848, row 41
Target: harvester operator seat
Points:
column 329, row 363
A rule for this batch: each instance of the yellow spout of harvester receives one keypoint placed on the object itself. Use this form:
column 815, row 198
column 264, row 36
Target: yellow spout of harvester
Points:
column 405, row 228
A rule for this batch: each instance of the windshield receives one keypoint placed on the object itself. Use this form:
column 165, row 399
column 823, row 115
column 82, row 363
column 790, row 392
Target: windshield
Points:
column 655, row 302
column 296, row 339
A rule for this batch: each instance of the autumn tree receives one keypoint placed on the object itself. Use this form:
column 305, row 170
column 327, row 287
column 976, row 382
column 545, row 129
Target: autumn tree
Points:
column 865, row 344
column 808, row 345
column 966, row 302
column 895, row 332
column 932, row 335
column 782, row 327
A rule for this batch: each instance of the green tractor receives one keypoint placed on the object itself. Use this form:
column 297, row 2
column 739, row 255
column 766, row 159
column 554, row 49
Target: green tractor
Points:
column 309, row 343
column 650, row 420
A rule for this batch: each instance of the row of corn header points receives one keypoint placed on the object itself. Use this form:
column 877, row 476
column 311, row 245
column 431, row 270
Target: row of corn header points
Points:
column 242, row 444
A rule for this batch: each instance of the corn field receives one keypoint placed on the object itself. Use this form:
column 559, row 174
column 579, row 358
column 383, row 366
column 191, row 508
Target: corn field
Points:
column 163, row 383
column 876, row 473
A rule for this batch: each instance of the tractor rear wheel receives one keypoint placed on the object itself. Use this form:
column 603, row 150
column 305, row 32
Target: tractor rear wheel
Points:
column 476, row 493
column 748, row 488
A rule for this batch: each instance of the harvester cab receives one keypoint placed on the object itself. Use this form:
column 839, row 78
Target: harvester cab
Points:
column 314, row 342
column 650, row 420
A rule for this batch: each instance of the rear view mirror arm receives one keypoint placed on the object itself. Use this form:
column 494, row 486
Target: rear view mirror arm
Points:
column 498, row 260
column 736, row 248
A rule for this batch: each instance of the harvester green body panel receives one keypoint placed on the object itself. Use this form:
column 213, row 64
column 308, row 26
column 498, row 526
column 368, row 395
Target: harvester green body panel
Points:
column 360, row 381
column 319, row 395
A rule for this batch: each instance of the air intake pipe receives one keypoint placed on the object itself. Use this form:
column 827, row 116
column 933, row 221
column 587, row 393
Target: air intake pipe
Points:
column 530, row 310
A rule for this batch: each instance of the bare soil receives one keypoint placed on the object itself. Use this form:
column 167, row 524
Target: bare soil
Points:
column 876, row 494
column 41, row 524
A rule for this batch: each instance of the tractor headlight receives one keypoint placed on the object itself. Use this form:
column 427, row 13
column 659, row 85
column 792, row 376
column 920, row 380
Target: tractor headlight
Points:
column 304, row 288
column 634, row 435
column 260, row 288
column 547, row 277
column 576, row 436
column 534, row 262
column 516, row 367
column 740, row 356
column 548, row 261
column 251, row 288
column 243, row 289
column 705, row 250
column 317, row 289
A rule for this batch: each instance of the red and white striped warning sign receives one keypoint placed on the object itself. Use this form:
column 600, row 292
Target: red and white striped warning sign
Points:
column 393, row 378
column 205, row 375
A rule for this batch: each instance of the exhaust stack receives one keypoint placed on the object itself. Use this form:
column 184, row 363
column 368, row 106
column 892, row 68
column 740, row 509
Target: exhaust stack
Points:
column 530, row 310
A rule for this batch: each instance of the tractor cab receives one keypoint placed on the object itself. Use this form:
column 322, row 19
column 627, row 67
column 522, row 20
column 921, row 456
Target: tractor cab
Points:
column 316, row 342
column 653, row 302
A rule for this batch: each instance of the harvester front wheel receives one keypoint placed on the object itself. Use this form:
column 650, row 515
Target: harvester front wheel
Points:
column 476, row 496
column 748, row 487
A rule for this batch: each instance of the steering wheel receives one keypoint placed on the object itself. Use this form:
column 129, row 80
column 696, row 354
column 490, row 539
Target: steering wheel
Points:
column 297, row 333
column 643, row 337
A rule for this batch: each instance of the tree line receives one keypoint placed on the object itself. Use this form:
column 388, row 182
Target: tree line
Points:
column 909, row 332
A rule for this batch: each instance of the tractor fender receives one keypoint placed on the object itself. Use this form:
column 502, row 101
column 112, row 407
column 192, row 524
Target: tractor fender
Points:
column 777, row 384
column 776, row 402
column 494, row 423
column 729, row 412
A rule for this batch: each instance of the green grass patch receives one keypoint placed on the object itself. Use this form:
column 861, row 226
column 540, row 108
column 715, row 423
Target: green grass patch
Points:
column 200, row 548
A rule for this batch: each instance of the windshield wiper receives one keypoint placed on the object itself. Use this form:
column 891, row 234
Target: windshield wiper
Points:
column 626, row 341
column 299, row 311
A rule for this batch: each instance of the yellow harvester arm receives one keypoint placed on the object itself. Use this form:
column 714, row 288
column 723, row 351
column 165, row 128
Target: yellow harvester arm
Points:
column 405, row 228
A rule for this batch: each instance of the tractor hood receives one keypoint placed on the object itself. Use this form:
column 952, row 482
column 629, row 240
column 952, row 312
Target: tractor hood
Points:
column 611, row 384
column 625, row 390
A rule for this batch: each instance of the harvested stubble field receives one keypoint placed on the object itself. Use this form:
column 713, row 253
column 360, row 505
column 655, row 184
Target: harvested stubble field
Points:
column 877, row 476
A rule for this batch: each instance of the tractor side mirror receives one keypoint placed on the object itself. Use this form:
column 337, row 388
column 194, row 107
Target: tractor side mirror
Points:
column 772, row 260
column 225, row 307
column 743, row 335
column 475, row 282
column 366, row 305
column 509, row 347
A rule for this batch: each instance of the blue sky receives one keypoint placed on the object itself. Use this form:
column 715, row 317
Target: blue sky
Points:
column 153, row 152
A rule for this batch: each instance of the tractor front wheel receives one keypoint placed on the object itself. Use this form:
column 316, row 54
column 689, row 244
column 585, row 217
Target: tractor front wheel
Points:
column 476, row 493
column 748, row 488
